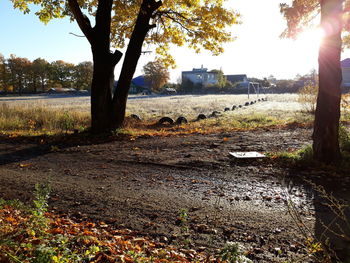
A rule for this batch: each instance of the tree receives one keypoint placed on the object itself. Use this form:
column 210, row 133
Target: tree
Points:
column 200, row 24
column 156, row 75
column 61, row 74
column 327, row 115
column 40, row 68
column 19, row 72
column 3, row 74
column 82, row 75
column 220, row 77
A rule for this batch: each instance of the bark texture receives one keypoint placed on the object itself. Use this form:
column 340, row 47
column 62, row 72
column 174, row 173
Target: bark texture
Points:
column 327, row 115
column 104, row 62
column 107, row 109
column 132, row 55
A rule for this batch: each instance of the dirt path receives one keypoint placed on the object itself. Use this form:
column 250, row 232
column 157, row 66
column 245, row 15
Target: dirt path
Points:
column 143, row 183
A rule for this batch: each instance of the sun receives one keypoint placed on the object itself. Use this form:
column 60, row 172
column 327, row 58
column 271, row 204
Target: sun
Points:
column 311, row 37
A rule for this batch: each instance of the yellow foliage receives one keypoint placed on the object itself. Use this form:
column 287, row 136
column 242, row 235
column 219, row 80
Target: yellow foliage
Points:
column 199, row 24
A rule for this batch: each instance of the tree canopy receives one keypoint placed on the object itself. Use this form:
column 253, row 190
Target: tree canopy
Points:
column 199, row 24
column 22, row 75
column 156, row 75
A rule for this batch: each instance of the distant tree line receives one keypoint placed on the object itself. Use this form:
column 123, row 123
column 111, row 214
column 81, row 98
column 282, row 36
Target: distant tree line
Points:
column 20, row 75
column 294, row 85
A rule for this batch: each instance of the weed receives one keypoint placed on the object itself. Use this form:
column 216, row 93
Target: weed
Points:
column 38, row 222
column 66, row 122
column 183, row 220
column 232, row 253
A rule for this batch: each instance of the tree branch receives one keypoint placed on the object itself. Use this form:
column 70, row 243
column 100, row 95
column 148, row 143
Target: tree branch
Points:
column 116, row 57
column 103, row 17
column 82, row 20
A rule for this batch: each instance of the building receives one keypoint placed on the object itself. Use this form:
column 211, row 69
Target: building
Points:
column 138, row 85
column 241, row 79
column 200, row 76
column 345, row 68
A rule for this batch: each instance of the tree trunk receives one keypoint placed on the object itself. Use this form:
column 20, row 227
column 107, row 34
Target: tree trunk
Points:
column 327, row 115
column 132, row 56
column 101, row 93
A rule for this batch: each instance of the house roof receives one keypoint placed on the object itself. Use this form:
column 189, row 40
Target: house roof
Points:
column 236, row 78
column 345, row 63
column 139, row 81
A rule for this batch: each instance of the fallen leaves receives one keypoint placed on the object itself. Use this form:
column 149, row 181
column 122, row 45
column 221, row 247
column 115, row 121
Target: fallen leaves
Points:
column 97, row 242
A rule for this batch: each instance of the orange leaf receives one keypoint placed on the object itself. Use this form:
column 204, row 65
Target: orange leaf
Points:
column 23, row 165
column 10, row 219
column 56, row 231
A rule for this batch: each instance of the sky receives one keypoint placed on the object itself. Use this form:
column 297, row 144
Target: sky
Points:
column 258, row 51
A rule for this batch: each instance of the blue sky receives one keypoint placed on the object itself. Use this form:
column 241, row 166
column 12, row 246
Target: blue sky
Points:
column 257, row 52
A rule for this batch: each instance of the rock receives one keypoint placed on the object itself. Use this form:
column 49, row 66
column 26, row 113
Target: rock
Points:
column 136, row 117
column 201, row 249
column 202, row 228
column 267, row 198
column 252, row 102
column 181, row 120
column 226, row 109
column 258, row 250
column 163, row 239
column 229, row 231
column 201, row 117
column 234, row 107
column 205, row 229
column 247, row 198
column 166, row 120
column 240, row 106
column 246, row 104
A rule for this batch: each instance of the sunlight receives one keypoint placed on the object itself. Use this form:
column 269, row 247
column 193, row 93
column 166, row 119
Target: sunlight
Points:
column 311, row 38
column 304, row 51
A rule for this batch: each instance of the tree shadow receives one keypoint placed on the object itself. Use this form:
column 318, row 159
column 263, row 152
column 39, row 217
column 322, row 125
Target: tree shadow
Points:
column 330, row 193
column 24, row 148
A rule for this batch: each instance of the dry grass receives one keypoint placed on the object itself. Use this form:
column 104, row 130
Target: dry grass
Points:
column 52, row 115
column 39, row 120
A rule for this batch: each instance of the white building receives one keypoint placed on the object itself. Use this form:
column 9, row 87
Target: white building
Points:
column 201, row 76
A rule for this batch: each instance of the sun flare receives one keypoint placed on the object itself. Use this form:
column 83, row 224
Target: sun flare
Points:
column 303, row 54
column 311, row 37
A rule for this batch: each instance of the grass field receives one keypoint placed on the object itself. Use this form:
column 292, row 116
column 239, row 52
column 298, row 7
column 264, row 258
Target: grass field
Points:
column 63, row 113
column 150, row 107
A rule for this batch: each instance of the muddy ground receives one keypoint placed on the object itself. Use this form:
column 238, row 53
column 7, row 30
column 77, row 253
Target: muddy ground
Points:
column 144, row 183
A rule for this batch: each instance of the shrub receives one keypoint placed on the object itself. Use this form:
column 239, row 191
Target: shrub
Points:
column 308, row 97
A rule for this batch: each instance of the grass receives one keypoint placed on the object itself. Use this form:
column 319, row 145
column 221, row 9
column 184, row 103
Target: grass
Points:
column 54, row 116
column 38, row 120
